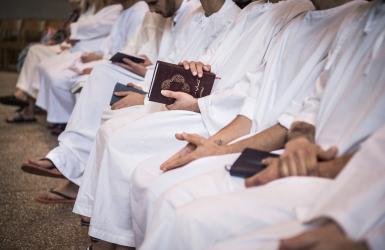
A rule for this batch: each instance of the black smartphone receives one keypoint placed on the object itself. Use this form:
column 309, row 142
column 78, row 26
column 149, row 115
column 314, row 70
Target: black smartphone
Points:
column 250, row 163
column 118, row 57
column 121, row 87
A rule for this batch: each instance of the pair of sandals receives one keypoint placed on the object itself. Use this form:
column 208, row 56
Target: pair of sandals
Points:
column 33, row 167
column 17, row 117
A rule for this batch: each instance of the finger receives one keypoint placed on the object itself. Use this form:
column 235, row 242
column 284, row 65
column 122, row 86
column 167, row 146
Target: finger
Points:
column 183, row 160
column 131, row 84
column 267, row 161
column 170, row 107
column 186, row 65
column 283, row 168
column 122, row 93
column 303, row 241
column 269, row 174
column 199, row 67
column 327, row 155
column 193, row 68
column 144, row 57
column 128, row 62
column 194, row 138
column 303, row 162
column 292, row 164
column 114, row 106
column 179, row 136
column 207, row 68
column 170, row 94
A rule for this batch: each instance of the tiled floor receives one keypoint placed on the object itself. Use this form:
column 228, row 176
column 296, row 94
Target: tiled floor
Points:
column 24, row 223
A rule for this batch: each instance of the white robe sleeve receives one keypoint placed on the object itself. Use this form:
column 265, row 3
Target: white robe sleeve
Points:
column 222, row 107
column 308, row 110
column 97, row 25
column 248, row 108
column 376, row 238
column 356, row 198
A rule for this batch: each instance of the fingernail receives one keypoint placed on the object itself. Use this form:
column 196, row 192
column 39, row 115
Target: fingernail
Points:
column 194, row 73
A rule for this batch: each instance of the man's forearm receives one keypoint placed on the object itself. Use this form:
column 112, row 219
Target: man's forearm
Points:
column 270, row 139
column 237, row 128
column 330, row 169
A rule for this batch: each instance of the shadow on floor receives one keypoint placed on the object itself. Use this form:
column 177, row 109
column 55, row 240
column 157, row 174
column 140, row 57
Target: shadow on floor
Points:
column 24, row 223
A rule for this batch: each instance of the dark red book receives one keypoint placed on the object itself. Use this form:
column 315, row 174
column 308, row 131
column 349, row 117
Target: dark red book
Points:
column 168, row 76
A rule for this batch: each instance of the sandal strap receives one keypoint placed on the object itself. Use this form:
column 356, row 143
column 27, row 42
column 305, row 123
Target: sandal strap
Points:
column 61, row 194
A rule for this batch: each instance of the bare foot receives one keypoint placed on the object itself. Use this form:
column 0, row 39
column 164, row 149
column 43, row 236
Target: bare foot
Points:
column 68, row 188
column 85, row 221
column 44, row 163
column 21, row 95
column 63, row 194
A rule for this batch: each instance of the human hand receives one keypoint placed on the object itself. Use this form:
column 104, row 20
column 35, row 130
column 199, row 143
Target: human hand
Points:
column 147, row 61
column 271, row 173
column 301, row 158
column 197, row 68
column 327, row 237
column 129, row 99
column 86, row 71
column 183, row 101
column 90, row 57
column 136, row 68
column 64, row 46
column 196, row 148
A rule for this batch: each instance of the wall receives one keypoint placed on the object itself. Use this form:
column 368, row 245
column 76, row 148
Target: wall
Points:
column 46, row 9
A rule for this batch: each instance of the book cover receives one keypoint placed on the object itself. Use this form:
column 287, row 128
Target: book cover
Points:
column 249, row 163
column 118, row 57
column 168, row 76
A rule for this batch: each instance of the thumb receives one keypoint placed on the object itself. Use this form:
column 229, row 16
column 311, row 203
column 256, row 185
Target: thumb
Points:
column 207, row 68
column 327, row 155
column 122, row 93
column 168, row 93
column 302, row 241
column 130, row 84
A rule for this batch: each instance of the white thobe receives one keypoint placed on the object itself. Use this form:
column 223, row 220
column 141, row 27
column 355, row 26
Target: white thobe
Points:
column 354, row 200
column 29, row 77
column 163, row 135
column 56, row 80
column 358, row 71
column 295, row 77
column 203, row 31
column 75, row 142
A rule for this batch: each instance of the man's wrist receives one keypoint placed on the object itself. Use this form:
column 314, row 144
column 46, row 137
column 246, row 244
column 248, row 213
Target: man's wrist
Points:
column 195, row 106
column 301, row 130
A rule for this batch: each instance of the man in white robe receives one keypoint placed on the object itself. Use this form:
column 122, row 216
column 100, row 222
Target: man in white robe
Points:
column 204, row 28
column 88, row 32
column 183, row 211
column 353, row 202
column 196, row 37
column 115, row 162
column 56, row 80
column 112, row 161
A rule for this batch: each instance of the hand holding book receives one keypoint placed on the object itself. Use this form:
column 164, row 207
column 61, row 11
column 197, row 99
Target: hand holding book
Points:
column 177, row 78
column 136, row 65
column 183, row 101
column 196, row 68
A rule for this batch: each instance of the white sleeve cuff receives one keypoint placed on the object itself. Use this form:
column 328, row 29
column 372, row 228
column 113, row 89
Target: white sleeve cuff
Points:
column 376, row 238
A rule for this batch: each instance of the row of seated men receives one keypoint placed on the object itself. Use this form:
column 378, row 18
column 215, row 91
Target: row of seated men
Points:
column 302, row 78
